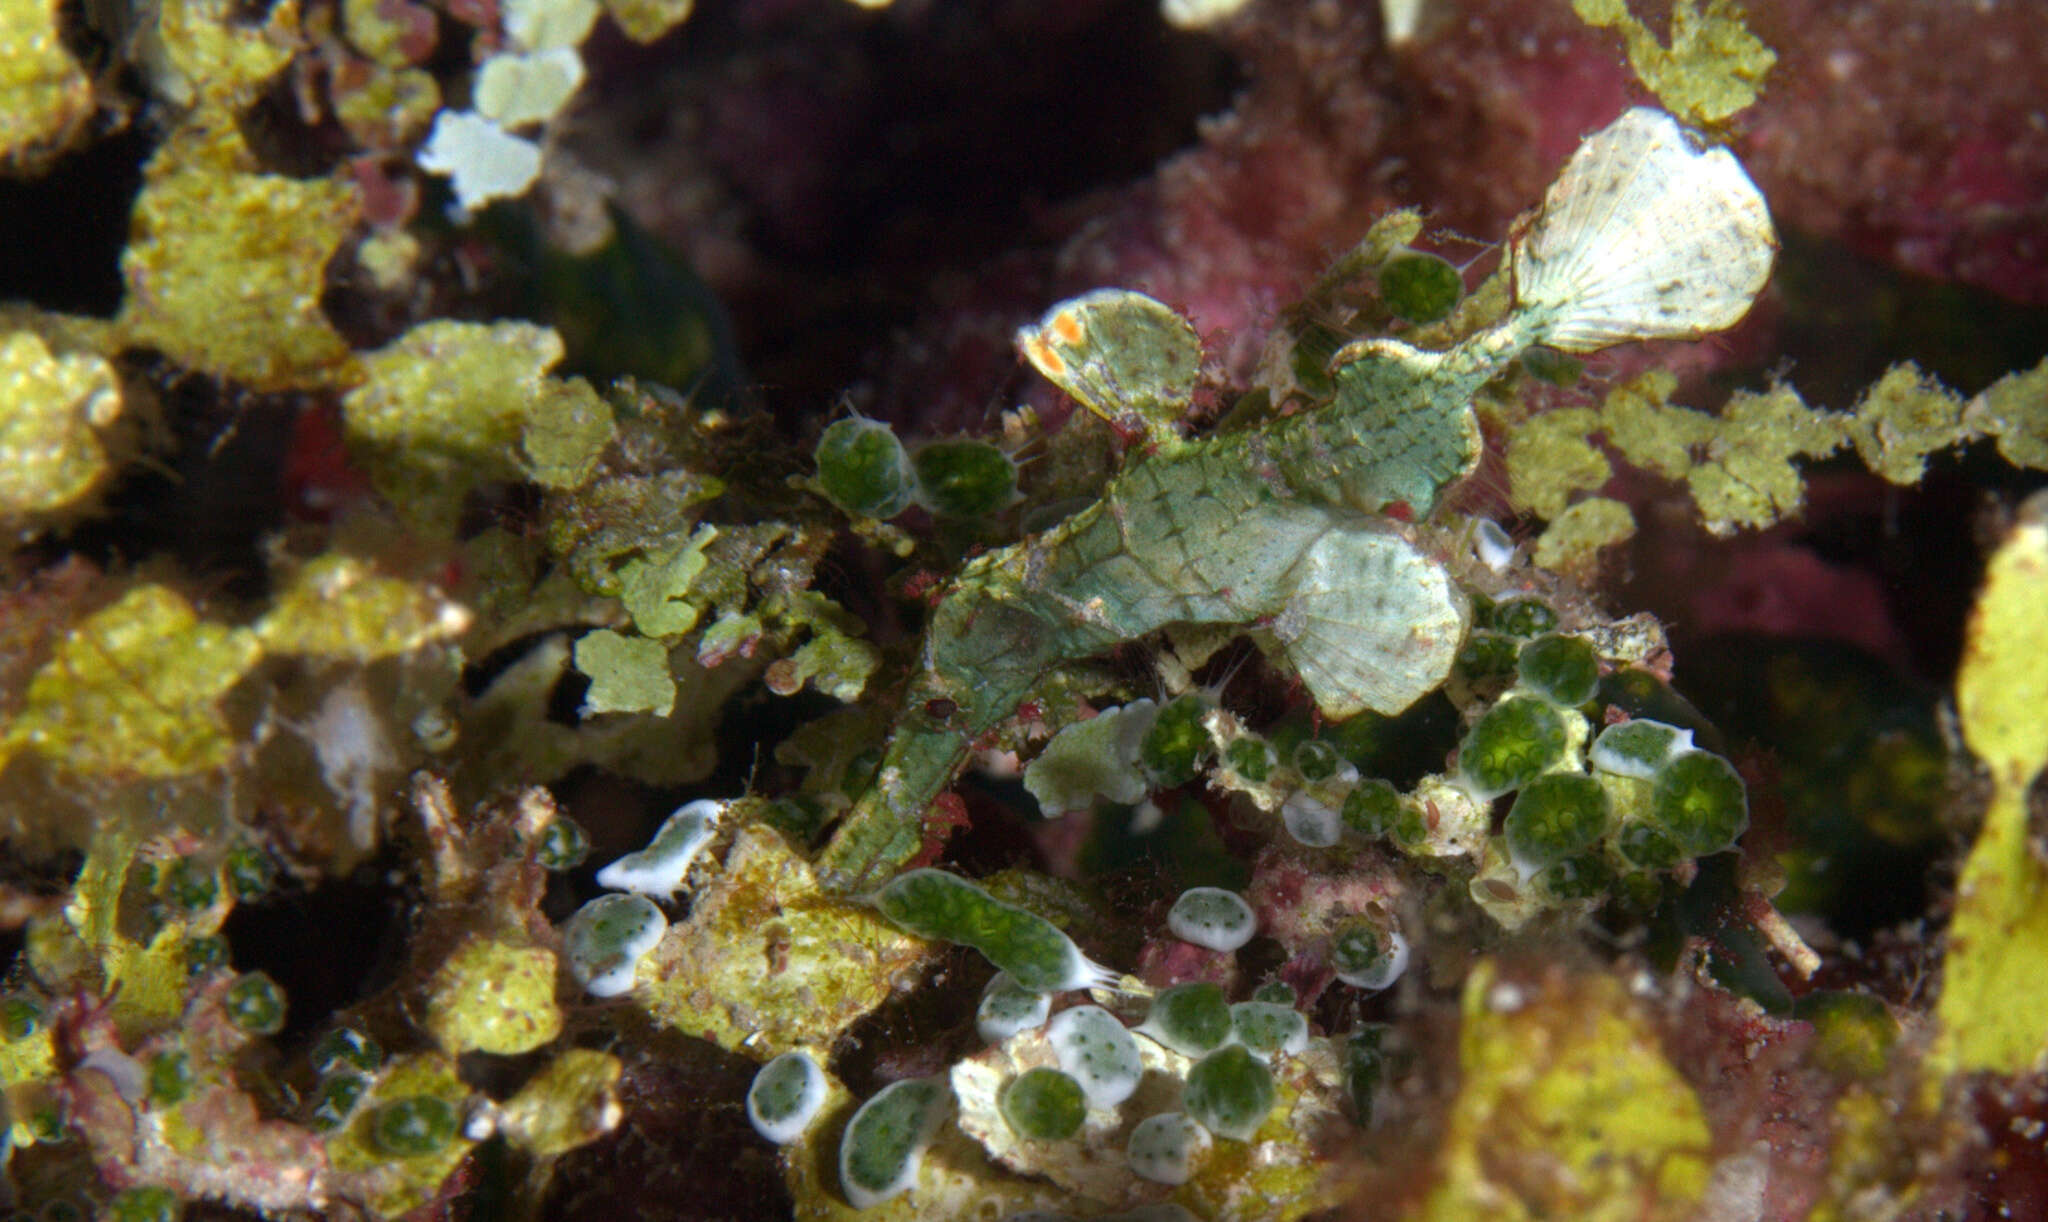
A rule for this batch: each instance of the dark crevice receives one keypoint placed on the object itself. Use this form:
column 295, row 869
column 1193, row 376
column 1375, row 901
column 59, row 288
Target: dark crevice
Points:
column 210, row 496
column 63, row 231
column 327, row 947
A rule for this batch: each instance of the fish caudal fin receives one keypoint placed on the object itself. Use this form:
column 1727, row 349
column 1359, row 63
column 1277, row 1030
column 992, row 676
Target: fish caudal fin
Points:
column 1645, row 235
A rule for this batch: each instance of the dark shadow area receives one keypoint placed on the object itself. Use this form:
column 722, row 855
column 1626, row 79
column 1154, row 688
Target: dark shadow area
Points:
column 326, row 947
column 63, row 231
column 859, row 161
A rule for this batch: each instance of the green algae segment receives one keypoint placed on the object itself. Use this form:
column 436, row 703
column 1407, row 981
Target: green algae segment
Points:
column 606, row 938
column 1511, row 745
column 934, row 904
column 1366, row 954
column 1268, row 1027
column 1043, row 1104
column 885, row 1141
column 1192, row 1019
column 965, row 479
column 1372, row 808
column 1419, row 287
column 862, row 468
column 413, row 1127
column 1700, row 801
column 1557, row 815
column 346, row 1048
column 255, row 1003
column 1230, row 1092
column 1561, row 669
column 785, row 1096
column 1174, row 750
column 1638, row 748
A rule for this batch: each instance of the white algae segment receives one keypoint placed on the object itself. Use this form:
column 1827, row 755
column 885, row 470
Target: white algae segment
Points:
column 886, row 1139
column 485, row 161
column 785, row 1096
column 606, row 938
column 1638, row 748
column 1269, row 1027
column 659, row 869
column 1492, row 546
column 1163, row 1148
column 1311, row 822
column 1098, row 1052
column 515, row 90
column 1371, row 622
column 1366, row 956
column 1645, row 235
column 1212, row 917
column 1008, row 1007
column 542, row 25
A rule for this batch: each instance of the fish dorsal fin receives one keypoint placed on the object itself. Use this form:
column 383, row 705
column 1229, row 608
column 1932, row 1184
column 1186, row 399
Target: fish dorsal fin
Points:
column 1645, row 235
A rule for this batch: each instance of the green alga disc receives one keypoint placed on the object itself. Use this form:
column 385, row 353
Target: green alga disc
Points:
column 1576, row 878
column 1511, row 745
column 1556, row 816
column 1420, row 287
column 1524, row 617
column 1316, row 760
column 1230, row 1092
column 965, row 479
column 346, row 1048
column 255, row 1003
column 1044, row 1104
column 414, row 1126
column 1486, row 654
column 1372, row 808
column 862, row 467
column 785, row 1096
column 1269, row 1027
column 1192, row 1018
column 1700, row 800
column 1178, row 744
column 1646, row 846
column 1561, row 669
column 1250, row 758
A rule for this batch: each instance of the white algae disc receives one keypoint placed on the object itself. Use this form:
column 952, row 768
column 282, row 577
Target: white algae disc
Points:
column 1212, row 917
column 1645, row 235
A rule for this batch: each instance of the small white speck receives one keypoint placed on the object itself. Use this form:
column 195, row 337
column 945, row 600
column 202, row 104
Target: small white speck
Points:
column 1147, row 818
column 1492, row 545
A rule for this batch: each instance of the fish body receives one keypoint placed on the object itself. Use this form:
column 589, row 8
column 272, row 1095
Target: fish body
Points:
column 1300, row 528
